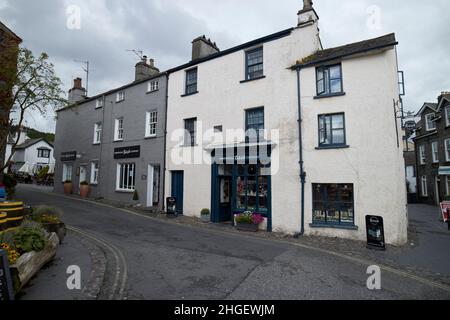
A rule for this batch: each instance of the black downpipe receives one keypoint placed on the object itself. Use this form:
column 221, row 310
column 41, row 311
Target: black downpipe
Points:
column 302, row 171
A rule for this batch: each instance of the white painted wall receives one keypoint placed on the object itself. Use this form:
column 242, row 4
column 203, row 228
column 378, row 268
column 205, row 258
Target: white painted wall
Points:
column 373, row 163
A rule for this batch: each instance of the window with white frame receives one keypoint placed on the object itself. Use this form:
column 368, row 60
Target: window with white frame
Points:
column 99, row 103
column 151, row 120
column 153, row 86
column 98, row 133
column 67, row 172
column 447, row 116
column 422, row 157
column 125, row 177
column 435, row 151
column 424, row 186
column 447, row 150
column 430, row 123
column 120, row 96
column 118, row 129
column 94, row 172
column 44, row 153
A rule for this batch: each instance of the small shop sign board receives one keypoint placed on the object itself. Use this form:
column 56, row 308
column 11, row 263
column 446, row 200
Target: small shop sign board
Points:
column 375, row 233
column 445, row 210
column 127, row 152
column 6, row 288
column 68, row 156
column 171, row 205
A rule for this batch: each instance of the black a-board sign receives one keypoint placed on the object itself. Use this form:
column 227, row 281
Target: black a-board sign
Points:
column 375, row 233
column 6, row 287
column 171, row 205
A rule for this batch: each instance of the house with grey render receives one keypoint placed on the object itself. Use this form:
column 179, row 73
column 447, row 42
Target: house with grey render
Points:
column 115, row 140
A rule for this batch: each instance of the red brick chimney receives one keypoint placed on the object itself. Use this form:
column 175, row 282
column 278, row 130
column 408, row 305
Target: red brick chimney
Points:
column 77, row 93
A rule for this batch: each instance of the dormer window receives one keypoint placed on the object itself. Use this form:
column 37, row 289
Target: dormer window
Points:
column 120, row 96
column 430, row 123
column 329, row 80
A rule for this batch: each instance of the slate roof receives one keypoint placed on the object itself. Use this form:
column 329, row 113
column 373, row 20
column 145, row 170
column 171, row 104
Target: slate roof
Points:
column 348, row 50
column 31, row 142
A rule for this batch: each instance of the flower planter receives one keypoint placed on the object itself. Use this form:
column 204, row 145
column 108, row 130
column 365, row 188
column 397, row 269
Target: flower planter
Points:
column 205, row 218
column 29, row 264
column 58, row 228
column 84, row 191
column 68, row 188
column 250, row 227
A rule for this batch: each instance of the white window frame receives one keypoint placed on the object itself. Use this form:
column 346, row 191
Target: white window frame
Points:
column 153, row 86
column 67, row 172
column 120, row 96
column 99, row 103
column 98, row 127
column 447, row 187
column 424, row 186
column 427, row 122
column 118, row 129
column 128, row 168
column 447, row 149
column 435, row 151
column 422, row 155
column 151, row 123
column 94, row 172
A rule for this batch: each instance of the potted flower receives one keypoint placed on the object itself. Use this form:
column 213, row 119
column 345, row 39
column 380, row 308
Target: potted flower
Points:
column 50, row 219
column 248, row 221
column 205, row 215
column 84, row 189
column 68, row 187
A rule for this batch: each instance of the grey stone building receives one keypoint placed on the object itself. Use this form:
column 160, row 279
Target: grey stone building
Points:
column 432, row 145
column 115, row 141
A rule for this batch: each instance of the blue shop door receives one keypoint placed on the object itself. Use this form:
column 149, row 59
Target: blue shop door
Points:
column 225, row 199
column 177, row 189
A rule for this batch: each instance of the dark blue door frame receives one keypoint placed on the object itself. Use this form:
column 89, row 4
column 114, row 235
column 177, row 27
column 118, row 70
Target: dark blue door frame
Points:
column 178, row 189
column 215, row 199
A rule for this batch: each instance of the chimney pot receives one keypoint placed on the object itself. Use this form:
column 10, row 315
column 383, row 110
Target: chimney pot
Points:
column 77, row 83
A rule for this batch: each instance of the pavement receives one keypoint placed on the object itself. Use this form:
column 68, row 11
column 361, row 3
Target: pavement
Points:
column 149, row 257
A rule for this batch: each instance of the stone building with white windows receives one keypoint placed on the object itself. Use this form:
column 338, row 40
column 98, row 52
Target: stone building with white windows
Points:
column 324, row 149
column 432, row 146
column 115, row 140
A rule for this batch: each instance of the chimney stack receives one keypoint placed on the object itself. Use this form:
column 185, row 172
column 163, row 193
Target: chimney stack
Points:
column 77, row 93
column 144, row 70
column 307, row 15
column 202, row 47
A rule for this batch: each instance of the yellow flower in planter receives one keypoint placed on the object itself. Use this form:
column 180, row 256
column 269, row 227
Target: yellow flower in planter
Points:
column 13, row 255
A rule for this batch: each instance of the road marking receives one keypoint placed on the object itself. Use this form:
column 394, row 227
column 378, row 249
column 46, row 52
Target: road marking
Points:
column 353, row 259
column 120, row 276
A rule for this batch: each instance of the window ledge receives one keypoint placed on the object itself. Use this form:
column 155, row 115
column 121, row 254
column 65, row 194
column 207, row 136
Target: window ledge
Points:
column 124, row 191
column 333, row 147
column 97, row 143
column 121, row 140
column 150, row 137
column 152, row 91
column 189, row 94
column 330, row 95
column 333, row 226
column 120, row 101
column 254, row 79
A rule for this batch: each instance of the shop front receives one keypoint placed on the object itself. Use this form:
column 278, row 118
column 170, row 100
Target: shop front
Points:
column 241, row 181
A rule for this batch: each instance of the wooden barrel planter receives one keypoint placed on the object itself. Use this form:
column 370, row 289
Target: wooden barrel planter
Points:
column 11, row 215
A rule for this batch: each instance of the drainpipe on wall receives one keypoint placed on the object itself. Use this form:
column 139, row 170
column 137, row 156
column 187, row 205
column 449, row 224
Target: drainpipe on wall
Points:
column 165, row 145
column 302, row 171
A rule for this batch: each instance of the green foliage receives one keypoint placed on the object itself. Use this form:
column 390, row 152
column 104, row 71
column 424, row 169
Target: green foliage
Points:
column 43, row 173
column 135, row 195
column 27, row 239
column 244, row 218
column 35, row 134
column 8, row 238
column 205, row 212
column 10, row 185
column 84, row 183
column 46, row 214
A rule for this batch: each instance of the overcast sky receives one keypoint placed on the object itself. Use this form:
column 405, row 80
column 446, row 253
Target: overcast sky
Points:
column 164, row 29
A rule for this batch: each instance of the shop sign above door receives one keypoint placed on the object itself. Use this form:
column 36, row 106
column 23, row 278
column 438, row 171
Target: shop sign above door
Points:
column 127, row 152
